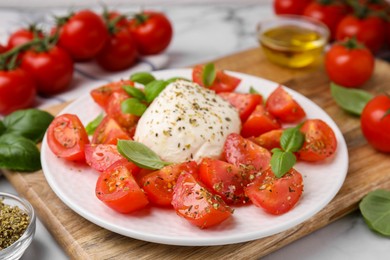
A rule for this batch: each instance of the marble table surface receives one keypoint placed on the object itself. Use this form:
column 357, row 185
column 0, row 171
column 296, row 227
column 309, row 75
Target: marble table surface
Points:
column 205, row 32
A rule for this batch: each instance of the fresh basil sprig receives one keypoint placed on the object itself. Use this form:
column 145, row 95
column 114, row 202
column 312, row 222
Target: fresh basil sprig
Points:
column 351, row 100
column 135, row 92
column 133, row 106
column 140, row 155
column 153, row 89
column 91, row 126
column 283, row 160
column 142, row 77
column 252, row 90
column 209, row 74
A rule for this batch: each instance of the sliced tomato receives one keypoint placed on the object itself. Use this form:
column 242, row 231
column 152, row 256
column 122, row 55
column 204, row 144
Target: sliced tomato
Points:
column 66, row 137
column 225, row 179
column 114, row 110
column 159, row 185
column 243, row 153
column 320, row 141
column 196, row 204
column 259, row 122
column 109, row 132
column 101, row 94
column 117, row 188
column 244, row 102
column 283, row 107
column 222, row 83
column 269, row 140
column 276, row 195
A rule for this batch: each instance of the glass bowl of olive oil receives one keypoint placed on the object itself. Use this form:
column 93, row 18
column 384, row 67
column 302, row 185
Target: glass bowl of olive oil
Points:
column 292, row 41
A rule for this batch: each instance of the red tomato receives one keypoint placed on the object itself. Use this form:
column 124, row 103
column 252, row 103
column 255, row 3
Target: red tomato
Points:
column 159, row 185
column 22, row 36
column 102, row 94
column 259, row 122
column 101, row 156
column 375, row 122
column 117, row 188
column 245, row 103
column 349, row 64
column 111, row 15
column 52, row 70
column 152, row 31
column 290, row 6
column 83, row 35
column 114, row 110
column 242, row 152
column 196, row 204
column 269, row 140
column 330, row 14
column 222, row 83
column 276, row 195
column 320, row 141
column 17, row 90
column 370, row 31
column 2, row 49
column 225, row 179
column 109, row 132
column 119, row 52
column 66, row 137
column 283, row 107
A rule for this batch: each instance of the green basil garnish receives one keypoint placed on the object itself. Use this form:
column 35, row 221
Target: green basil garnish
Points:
column 133, row 106
column 135, row 92
column 91, row 126
column 142, row 77
column 153, row 89
column 209, row 74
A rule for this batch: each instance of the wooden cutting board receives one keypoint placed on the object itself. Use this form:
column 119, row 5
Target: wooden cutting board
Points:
column 368, row 170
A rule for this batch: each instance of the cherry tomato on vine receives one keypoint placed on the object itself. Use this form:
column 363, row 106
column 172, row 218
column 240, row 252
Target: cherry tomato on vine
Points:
column 22, row 36
column 290, row 6
column 349, row 64
column 2, row 48
column 152, row 32
column 375, row 122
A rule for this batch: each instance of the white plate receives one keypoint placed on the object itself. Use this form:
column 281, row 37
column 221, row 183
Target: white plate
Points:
column 75, row 186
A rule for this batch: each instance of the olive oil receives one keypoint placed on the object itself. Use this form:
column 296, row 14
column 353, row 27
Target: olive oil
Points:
column 292, row 46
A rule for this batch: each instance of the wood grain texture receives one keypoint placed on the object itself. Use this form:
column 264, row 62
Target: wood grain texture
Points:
column 368, row 170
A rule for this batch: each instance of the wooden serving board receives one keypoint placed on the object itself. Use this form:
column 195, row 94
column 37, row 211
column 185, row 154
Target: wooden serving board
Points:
column 368, row 170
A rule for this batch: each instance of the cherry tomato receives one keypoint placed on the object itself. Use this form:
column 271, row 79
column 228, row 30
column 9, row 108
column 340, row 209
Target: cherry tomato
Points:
column 114, row 110
column 117, row 188
column 330, row 14
column 349, row 64
column 101, row 156
column 196, row 204
column 225, row 179
column 52, row 70
column 276, row 195
column 370, row 31
column 245, row 103
column 290, row 6
column 159, row 185
column 23, row 36
column 283, row 107
column 83, row 35
column 375, row 122
column 222, row 83
column 320, row 141
column 17, row 90
column 269, row 140
column 259, row 122
column 66, row 137
column 109, row 132
column 2, row 48
column 152, row 31
column 102, row 94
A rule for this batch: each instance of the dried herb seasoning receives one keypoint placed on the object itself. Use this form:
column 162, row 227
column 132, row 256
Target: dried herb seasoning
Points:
column 13, row 223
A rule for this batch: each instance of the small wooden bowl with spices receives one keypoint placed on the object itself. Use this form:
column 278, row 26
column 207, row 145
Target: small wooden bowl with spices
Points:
column 17, row 226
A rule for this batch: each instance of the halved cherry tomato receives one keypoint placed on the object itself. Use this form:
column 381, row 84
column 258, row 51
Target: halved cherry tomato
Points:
column 320, row 141
column 244, row 102
column 159, row 185
column 109, row 132
column 276, row 195
column 259, row 122
column 117, row 188
column 102, row 94
column 114, row 110
column 225, row 179
column 66, row 137
column 222, row 83
column 283, row 107
column 243, row 153
column 269, row 140
column 196, row 204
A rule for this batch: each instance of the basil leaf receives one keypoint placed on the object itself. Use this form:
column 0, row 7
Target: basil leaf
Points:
column 375, row 208
column 292, row 139
column 351, row 100
column 282, row 162
column 19, row 153
column 91, row 126
column 2, row 127
column 153, row 89
column 140, row 155
column 253, row 91
column 134, row 92
column 209, row 74
column 133, row 106
column 142, row 77
column 30, row 123
column 170, row 80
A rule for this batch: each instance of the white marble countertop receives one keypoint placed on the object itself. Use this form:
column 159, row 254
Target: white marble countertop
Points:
column 205, row 32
